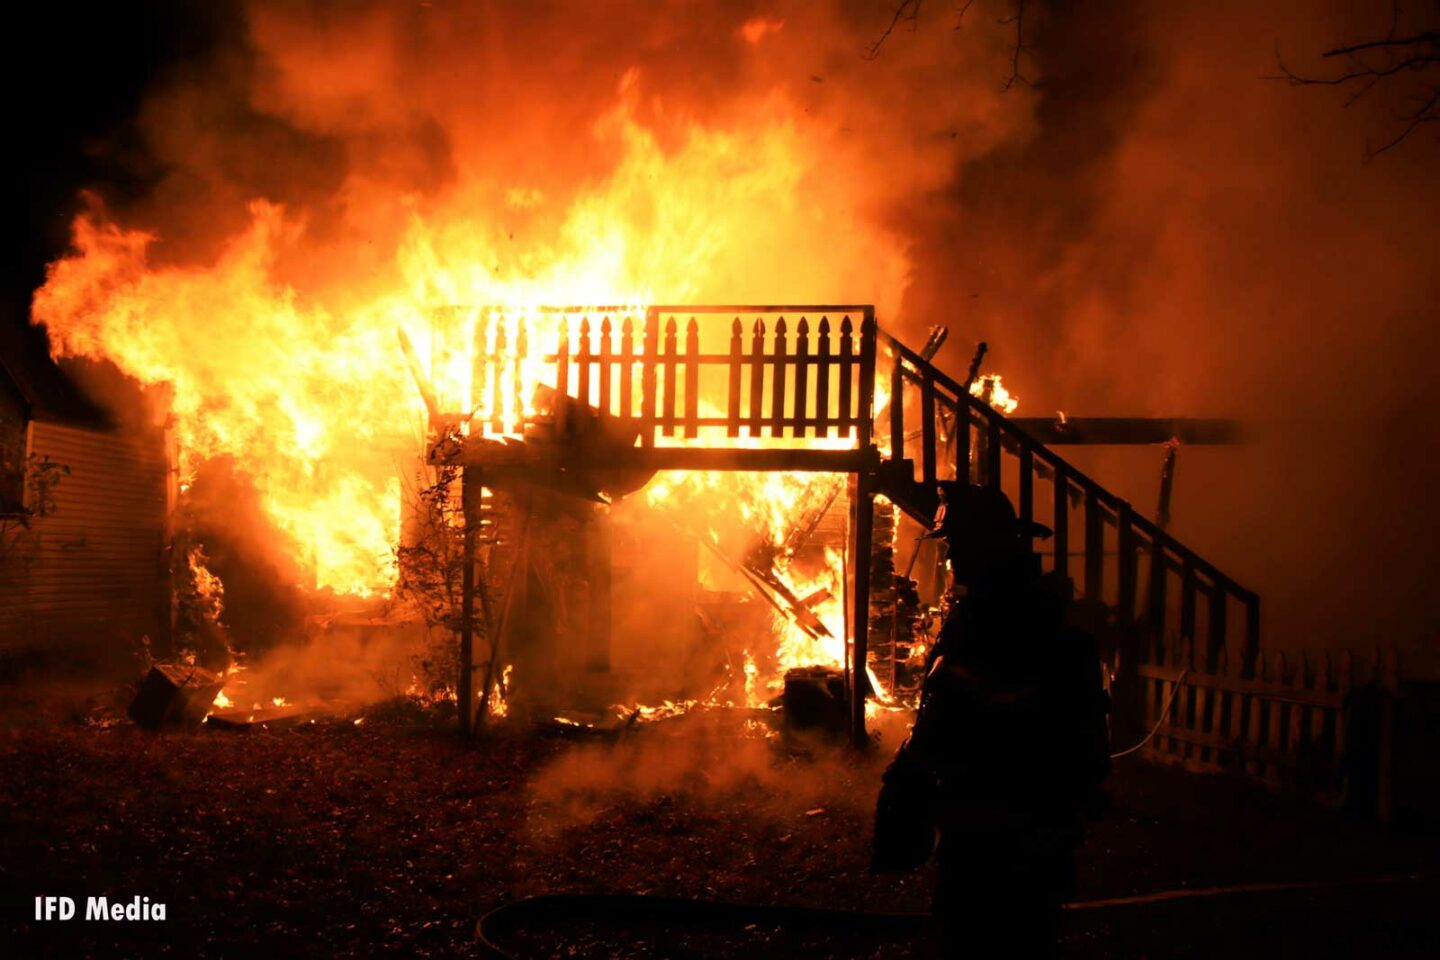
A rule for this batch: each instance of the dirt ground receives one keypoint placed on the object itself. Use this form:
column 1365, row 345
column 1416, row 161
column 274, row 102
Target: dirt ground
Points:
column 388, row 837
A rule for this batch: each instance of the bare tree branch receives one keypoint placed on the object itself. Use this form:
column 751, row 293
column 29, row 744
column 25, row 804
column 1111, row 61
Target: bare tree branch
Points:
column 905, row 11
column 1430, row 36
column 1380, row 65
column 1019, row 20
column 908, row 11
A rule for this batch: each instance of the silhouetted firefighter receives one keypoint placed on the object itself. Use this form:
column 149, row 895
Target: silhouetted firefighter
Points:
column 1009, row 746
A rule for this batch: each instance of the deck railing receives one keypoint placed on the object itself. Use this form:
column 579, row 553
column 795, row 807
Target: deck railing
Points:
column 784, row 373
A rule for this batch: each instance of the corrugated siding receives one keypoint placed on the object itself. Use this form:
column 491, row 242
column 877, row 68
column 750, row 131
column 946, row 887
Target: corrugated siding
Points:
column 90, row 572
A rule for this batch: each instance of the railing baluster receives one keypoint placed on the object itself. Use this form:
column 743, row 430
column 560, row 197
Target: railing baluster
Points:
column 648, row 363
column 606, row 360
column 777, row 397
column 822, row 379
column 1235, row 726
column 1254, row 730
column 802, row 378
column 497, row 389
column 627, row 366
column 479, row 363
column 1274, row 729
column 667, row 418
column 1184, row 697
column 757, row 377
column 866, row 400
column 732, row 405
column 517, row 384
column 583, row 357
column 562, row 377
column 692, row 379
column 1344, row 684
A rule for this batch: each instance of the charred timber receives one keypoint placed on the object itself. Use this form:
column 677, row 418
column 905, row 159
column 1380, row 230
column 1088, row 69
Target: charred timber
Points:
column 1129, row 430
column 522, row 455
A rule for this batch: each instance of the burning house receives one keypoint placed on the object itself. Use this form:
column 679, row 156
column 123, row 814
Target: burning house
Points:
column 584, row 380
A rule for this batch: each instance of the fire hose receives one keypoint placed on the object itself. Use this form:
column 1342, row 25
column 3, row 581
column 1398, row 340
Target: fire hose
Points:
column 552, row 908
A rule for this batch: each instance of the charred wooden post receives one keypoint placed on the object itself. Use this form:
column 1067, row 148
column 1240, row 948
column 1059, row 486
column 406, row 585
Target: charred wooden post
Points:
column 897, row 409
column 975, row 361
column 863, row 529
column 1129, row 431
column 1167, row 483
column 933, row 343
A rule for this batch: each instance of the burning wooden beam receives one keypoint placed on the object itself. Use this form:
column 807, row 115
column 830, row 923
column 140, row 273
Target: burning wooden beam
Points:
column 1130, row 430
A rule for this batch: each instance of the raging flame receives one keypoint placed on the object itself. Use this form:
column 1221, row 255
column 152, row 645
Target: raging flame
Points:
column 308, row 358
column 281, row 352
column 989, row 388
column 799, row 647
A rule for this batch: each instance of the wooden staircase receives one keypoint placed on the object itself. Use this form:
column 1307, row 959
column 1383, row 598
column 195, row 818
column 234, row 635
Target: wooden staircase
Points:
column 1133, row 576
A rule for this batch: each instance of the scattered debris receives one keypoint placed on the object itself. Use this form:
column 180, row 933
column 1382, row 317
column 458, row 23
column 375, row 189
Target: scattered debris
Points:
column 174, row 695
column 815, row 699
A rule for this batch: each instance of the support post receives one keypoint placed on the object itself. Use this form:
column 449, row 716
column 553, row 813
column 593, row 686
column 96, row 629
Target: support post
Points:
column 863, row 529
column 464, row 682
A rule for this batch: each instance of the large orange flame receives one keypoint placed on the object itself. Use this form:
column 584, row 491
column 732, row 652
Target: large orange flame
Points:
column 281, row 353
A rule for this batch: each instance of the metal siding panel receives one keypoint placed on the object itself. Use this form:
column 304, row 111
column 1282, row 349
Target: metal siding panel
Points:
column 97, row 562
